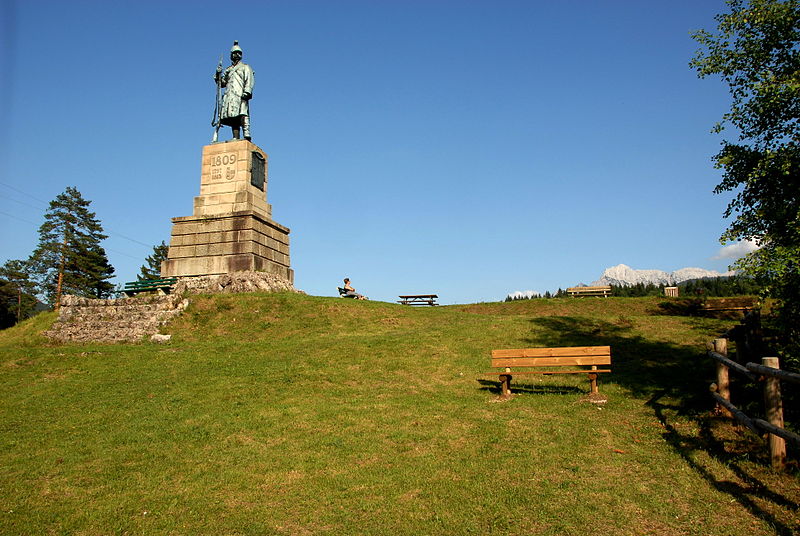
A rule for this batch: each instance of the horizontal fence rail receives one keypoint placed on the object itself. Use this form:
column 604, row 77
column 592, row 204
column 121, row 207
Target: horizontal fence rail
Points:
column 770, row 375
column 757, row 426
column 776, row 373
column 731, row 364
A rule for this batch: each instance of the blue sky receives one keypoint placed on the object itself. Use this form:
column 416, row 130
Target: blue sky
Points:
column 468, row 149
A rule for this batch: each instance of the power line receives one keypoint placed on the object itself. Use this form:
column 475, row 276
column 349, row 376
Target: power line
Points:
column 17, row 218
column 23, row 203
column 110, row 232
column 118, row 235
column 121, row 253
column 107, row 249
column 45, row 203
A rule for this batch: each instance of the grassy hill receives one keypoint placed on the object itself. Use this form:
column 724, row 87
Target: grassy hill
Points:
column 290, row 414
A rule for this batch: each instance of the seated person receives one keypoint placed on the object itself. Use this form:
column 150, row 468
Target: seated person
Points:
column 350, row 292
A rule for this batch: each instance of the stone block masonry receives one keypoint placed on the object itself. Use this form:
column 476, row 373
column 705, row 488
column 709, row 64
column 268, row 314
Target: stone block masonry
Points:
column 233, row 177
column 236, row 242
column 231, row 229
column 141, row 317
column 121, row 320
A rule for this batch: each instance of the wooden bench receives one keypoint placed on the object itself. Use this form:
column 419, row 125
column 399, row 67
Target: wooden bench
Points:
column 729, row 304
column 163, row 286
column 577, row 292
column 418, row 299
column 569, row 360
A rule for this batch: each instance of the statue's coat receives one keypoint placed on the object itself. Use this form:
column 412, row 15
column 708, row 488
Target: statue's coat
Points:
column 238, row 81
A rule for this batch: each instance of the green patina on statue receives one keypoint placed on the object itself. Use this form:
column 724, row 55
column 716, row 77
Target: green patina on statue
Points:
column 233, row 107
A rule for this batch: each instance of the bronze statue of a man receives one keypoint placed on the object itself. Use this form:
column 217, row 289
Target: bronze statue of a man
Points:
column 238, row 80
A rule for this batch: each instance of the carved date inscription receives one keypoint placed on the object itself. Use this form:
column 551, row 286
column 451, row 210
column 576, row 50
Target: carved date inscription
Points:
column 223, row 166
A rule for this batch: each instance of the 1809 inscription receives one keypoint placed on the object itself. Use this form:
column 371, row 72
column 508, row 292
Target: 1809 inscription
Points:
column 219, row 166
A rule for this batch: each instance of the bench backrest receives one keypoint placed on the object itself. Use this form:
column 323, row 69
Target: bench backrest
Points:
column 590, row 291
column 552, row 357
column 148, row 283
column 730, row 303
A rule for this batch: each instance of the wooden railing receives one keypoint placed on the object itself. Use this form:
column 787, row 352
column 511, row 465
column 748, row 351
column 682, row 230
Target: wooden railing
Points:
column 770, row 374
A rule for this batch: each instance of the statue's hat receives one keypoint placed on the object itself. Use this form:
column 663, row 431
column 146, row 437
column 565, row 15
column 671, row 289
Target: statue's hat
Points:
column 236, row 47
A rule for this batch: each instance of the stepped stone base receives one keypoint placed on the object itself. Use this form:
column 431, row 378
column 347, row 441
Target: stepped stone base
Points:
column 231, row 227
column 121, row 320
column 226, row 243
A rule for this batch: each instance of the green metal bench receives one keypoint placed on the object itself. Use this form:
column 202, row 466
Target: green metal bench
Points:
column 163, row 285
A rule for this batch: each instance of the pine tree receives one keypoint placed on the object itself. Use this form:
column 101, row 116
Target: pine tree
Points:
column 17, row 300
column 69, row 258
column 152, row 267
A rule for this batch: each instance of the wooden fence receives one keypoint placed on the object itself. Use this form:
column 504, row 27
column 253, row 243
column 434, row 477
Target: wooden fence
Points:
column 768, row 373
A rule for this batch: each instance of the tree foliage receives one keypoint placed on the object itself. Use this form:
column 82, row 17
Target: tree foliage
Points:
column 736, row 285
column 151, row 269
column 69, row 248
column 756, row 52
column 17, row 293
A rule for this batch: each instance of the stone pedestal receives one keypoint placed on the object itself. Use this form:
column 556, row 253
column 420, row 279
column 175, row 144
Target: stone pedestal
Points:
column 231, row 229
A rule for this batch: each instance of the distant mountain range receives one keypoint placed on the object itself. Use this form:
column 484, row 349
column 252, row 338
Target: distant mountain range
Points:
column 625, row 276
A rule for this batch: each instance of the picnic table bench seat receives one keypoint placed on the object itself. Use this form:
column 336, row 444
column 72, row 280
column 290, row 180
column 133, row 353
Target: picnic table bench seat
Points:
column 563, row 360
column 418, row 299
column 163, row 285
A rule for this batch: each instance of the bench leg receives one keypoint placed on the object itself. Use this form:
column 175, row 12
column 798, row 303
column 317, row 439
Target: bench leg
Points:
column 593, row 383
column 505, row 384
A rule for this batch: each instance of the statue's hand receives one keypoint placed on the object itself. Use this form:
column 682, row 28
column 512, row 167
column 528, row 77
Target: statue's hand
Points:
column 246, row 96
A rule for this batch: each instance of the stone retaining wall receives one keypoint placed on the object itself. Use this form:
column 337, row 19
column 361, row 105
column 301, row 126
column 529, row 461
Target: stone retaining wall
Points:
column 133, row 319
column 120, row 320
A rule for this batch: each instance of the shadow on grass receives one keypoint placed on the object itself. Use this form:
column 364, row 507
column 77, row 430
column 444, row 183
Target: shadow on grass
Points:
column 640, row 366
column 746, row 493
column 660, row 371
column 684, row 307
column 694, row 307
column 521, row 386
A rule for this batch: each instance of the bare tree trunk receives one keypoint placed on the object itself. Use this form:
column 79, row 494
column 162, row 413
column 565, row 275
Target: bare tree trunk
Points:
column 61, row 272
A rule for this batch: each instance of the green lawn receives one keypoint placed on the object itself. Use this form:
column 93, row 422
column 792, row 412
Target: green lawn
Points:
column 290, row 414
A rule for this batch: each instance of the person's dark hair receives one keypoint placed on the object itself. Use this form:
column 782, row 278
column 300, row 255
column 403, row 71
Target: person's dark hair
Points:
column 346, row 279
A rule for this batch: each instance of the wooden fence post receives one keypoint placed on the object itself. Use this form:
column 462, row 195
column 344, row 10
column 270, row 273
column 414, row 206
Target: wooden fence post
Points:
column 723, row 382
column 773, row 406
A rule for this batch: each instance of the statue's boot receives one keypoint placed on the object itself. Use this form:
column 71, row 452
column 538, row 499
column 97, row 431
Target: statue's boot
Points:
column 235, row 131
column 246, row 126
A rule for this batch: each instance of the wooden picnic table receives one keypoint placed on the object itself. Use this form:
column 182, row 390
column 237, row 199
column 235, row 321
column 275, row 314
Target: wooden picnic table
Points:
column 418, row 299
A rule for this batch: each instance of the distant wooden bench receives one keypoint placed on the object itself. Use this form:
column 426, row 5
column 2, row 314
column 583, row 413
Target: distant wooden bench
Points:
column 577, row 292
column 551, row 361
column 729, row 304
column 418, row 299
column 163, row 286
